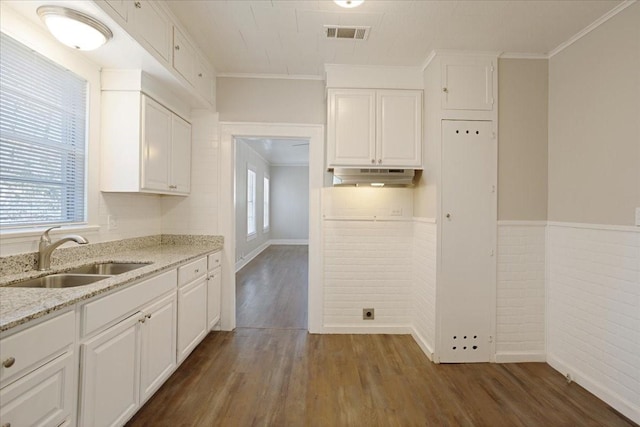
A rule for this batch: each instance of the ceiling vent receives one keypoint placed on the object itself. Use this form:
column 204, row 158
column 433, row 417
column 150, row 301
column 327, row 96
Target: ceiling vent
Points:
column 347, row 33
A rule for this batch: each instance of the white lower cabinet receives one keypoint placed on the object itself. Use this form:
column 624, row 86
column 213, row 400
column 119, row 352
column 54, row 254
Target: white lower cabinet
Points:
column 110, row 375
column 124, row 365
column 158, row 355
column 192, row 316
column 42, row 398
column 214, row 280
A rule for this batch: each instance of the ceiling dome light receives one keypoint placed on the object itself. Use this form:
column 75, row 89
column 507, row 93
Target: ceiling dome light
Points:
column 74, row 29
column 348, row 3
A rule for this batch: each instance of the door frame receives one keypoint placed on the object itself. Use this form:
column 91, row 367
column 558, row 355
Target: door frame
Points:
column 227, row 221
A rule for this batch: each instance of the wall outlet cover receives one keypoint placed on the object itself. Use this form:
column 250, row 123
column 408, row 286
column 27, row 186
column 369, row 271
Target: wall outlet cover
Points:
column 638, row 217
column 368, row 313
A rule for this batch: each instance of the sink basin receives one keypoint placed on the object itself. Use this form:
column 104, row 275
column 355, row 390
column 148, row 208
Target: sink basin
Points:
column 59, row 281
column 108, row 268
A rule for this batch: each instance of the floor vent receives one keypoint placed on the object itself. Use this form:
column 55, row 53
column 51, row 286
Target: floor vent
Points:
column 347, row 33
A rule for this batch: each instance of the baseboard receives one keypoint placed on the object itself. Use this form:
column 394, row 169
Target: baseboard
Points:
column 520, row 357
column 626, row 408
column 422, row 343
column 359, row 329
column 251, row 255
column 289, row 241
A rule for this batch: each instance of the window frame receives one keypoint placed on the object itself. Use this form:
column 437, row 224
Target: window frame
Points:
column 79, row 183
column 251, row 199
column 266, row 203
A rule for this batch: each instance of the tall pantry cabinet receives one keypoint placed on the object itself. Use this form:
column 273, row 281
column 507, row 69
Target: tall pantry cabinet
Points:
column 461, row 158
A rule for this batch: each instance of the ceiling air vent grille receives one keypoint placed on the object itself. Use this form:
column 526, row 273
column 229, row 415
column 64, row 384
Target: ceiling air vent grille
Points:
column 347, row 33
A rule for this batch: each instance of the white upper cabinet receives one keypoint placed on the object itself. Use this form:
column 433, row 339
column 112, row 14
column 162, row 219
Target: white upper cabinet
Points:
column 467, row 83
column 145, row 147
column 180, row 169
column 204, row 79
column 154, row 26
column 121, row 7
column 399, row 127
column 374, row 128
column 184, row 56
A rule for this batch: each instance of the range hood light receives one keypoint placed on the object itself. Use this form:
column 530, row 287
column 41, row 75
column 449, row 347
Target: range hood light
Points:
column 348, row 3
column 377, row 184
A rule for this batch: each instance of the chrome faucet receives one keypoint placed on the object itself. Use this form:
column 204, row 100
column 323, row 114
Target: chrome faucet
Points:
column 46, row 248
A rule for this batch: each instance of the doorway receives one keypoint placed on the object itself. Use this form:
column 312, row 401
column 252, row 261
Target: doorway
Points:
column 230, row 133
column 272, row 232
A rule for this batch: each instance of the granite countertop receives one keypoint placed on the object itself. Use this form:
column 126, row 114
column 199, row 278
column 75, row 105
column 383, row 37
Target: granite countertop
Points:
column 20, row 305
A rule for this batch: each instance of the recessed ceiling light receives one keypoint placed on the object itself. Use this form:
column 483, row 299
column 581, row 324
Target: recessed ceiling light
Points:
column 74, row 29
column 348, row 3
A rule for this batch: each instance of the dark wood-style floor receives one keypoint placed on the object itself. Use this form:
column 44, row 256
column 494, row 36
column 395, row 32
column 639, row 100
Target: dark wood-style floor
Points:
column 271, row 372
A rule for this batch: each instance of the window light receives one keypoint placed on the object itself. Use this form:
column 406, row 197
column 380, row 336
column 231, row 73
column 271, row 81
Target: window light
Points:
column 74, row 29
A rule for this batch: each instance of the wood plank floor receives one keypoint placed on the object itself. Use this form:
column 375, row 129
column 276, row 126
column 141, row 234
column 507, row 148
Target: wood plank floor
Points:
column 267, row 375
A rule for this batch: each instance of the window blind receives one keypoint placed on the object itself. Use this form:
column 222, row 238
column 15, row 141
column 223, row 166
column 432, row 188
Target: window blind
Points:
column 43, row 121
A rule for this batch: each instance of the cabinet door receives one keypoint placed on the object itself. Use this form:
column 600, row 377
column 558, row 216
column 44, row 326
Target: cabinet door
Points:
column 467, row 84
column 153, row 26
column 43, row 398
column 110, row 375
column 399, row 128
column 121, row 7
column 213, row 297
column 184, row 56
column 204, row 79
column 351, row 127
column 156, row 146
column 158, row 345
column 180, row 155
column 192, row 316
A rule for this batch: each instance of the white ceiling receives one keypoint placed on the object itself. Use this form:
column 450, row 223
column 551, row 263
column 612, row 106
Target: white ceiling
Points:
column 280, row 151
column 287, row 36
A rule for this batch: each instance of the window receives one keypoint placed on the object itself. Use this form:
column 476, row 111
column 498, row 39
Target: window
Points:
column 265, row 212
column 43, row 121
column 251, row 202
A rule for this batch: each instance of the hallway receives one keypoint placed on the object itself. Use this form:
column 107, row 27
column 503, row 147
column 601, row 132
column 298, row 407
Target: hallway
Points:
column 271, row 291
column 271, row 372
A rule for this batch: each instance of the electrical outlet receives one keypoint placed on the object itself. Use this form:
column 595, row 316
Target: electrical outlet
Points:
column 638, row 217
column 368, row 313
column 396, row 211
column 112, row 222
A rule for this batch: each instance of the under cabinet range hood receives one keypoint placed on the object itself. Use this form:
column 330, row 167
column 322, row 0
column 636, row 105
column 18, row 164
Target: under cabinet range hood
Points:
column 373, row 177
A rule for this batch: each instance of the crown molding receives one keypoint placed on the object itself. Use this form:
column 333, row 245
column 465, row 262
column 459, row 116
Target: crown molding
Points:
column 595, row 24
column 271, row 76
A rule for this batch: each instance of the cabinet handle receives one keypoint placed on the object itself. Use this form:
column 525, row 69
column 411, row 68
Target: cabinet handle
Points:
column 448, row 215
column 199, row 74
column 138, row 5
column 177, row 47
column 197, row 270
column 173, row 187
column 7, row 363
column 148, row 316
column 445, row 90
column 379, row 161
column 142, row 320
column 373, row 161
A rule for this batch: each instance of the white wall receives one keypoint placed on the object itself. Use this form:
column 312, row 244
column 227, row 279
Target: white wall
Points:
column 520, row 305
column 593, row 249
column 424, row 284
column 289, row 204
column 249, row 247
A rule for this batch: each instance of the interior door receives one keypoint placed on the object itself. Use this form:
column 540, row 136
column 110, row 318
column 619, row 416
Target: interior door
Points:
column 467, row 262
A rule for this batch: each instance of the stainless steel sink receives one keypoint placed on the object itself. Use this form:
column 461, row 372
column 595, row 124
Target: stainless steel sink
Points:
column 109, row 268
column 60, row 281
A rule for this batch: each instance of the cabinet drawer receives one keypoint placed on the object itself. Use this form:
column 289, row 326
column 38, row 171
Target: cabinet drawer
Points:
column 32, row 347
column 214, row 260
column 42, row 398
column 190, row 272
column 112, row 307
